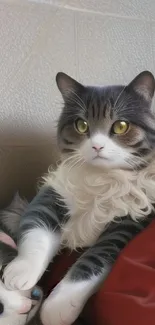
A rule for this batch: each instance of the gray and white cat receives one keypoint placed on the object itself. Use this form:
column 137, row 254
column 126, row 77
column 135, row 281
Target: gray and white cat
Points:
column 99, row 195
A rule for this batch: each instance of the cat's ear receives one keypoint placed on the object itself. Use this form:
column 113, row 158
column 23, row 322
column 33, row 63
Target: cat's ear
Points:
column 144, row 85
column 67, row 85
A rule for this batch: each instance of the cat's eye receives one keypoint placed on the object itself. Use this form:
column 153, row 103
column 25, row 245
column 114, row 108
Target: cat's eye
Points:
column 120, row 127
column 81, row 126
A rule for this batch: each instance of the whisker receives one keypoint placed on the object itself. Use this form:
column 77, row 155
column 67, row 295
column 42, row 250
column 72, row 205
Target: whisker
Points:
column 118, row 97
column 75, row 163
column 71, row 115
column 136, row 162
column 80, row 101
column 132, row 166
column 74, row 101
column 132, row 104
column 72, row 157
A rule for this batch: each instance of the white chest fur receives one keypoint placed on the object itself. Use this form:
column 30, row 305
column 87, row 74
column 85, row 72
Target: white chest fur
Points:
column 95, row 197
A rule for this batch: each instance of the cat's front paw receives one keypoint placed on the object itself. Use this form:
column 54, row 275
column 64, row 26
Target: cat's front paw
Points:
column 61, row 308
column 20, row 274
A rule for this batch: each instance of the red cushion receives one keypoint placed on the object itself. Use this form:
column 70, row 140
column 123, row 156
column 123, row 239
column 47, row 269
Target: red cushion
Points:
column 128, row 295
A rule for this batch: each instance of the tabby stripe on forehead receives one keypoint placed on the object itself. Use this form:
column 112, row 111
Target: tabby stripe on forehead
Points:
column 104, row 109
column 93, row 110
column 98, row 111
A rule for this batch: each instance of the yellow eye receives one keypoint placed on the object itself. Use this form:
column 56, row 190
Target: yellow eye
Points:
column 81, row 126
column 120, row 127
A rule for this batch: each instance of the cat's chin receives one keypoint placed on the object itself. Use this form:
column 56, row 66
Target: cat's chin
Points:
column 103, row 163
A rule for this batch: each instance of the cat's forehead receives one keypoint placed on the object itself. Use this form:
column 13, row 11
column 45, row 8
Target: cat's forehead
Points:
column 114, row 102
column 101, row 102
column 103, row 95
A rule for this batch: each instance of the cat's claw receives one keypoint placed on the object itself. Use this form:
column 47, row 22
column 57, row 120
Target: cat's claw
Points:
column 20, row 274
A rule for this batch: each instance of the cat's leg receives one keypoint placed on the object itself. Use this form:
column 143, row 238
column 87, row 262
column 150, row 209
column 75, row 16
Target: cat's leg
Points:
column 67, row 300
column 39, row 240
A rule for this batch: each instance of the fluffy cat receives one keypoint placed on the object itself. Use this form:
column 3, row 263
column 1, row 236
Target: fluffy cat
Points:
column 99, row 195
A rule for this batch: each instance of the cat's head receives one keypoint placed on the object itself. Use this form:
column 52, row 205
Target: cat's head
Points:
column 110, row 127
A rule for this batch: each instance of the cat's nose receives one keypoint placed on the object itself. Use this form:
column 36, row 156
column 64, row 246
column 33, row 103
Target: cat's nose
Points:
column 97, row 148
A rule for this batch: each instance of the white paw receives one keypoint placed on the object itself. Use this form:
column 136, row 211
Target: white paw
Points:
column 20, row 274
column 60, row 309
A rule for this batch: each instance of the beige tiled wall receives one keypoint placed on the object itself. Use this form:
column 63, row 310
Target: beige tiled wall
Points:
column 96, row 41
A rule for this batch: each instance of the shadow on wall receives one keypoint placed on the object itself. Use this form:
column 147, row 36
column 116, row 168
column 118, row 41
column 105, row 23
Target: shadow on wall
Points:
column 24, row 158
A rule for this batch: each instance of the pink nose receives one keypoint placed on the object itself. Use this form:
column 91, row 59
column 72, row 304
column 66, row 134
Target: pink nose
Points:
column 97, row 148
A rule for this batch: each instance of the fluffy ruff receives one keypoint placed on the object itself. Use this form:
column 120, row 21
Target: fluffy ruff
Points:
column 95, row 197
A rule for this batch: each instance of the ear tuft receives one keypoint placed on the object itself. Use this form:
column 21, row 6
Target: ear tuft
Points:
column 144, row 85
column 67, row 85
